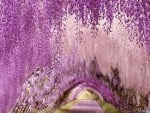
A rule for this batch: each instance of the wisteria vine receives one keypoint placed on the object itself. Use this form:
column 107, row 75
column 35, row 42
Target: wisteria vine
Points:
column 31, row 33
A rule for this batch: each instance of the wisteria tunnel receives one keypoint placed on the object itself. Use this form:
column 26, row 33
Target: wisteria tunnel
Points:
column 74, row 56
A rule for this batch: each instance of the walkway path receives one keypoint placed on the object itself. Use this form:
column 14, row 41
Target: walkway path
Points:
column 86, row 106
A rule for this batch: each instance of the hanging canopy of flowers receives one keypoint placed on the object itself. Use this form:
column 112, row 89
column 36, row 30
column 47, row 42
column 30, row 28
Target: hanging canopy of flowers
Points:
column 31, row 34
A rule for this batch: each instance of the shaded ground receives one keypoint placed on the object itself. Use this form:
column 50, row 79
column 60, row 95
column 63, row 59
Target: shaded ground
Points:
column 87, row 106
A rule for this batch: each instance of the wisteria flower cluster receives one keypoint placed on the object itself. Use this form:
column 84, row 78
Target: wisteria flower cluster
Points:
column 31, row 34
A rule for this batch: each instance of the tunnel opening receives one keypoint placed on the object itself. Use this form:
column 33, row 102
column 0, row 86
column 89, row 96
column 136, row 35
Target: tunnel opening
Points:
column 87, row 100
column 85, row 91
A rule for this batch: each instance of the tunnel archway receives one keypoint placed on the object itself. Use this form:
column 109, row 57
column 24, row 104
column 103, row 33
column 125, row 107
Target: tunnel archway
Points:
column 94, row 84
column 85, row 93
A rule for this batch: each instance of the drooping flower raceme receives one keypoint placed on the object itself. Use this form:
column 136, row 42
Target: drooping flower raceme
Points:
column 31, row 34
